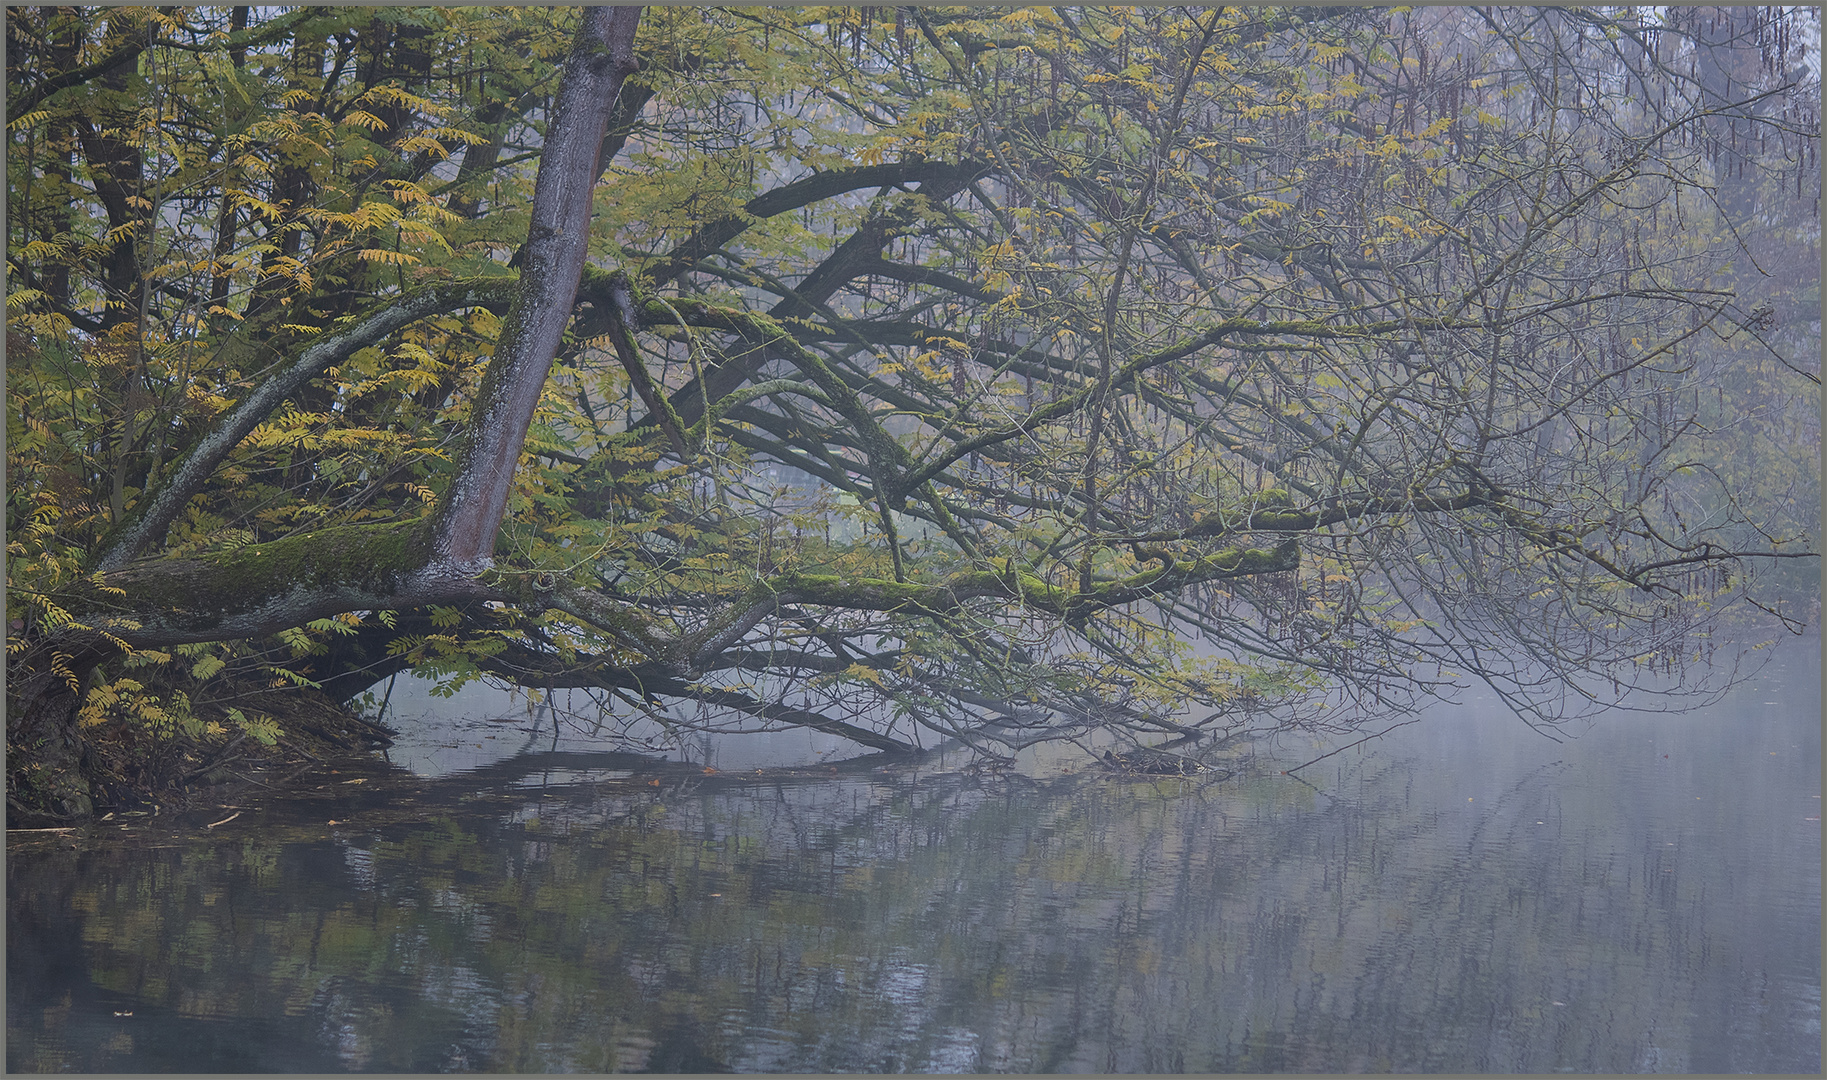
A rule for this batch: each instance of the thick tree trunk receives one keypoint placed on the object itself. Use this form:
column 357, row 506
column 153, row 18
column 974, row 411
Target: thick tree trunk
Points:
column 557, row 246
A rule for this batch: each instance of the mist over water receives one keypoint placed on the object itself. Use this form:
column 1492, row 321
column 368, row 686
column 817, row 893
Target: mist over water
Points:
column 1462, row 895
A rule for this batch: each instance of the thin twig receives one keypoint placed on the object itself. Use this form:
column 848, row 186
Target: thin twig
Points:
column 1342, row 749
column 224, row 821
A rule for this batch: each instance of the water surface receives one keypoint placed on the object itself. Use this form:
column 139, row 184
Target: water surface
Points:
column 1462, row 896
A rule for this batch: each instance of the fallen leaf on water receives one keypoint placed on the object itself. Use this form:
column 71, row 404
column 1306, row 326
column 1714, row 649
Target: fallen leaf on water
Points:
column 119, row 1012
column 357, row 780
column 653, row 783
column 332, row 821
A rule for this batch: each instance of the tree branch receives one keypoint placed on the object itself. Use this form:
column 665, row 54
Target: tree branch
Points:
column 326, row 352
column 793, row 196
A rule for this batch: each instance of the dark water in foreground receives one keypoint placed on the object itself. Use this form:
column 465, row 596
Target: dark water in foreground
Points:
column 1461, row 896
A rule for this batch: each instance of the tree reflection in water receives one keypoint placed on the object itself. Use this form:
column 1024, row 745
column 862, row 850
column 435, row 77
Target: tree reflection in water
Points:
column 1461, row 897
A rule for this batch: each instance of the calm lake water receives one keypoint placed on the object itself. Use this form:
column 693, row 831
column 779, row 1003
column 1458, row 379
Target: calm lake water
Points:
column 1462, row 896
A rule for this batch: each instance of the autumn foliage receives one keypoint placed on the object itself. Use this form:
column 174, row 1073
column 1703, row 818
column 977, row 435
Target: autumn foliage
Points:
column 1001, row 375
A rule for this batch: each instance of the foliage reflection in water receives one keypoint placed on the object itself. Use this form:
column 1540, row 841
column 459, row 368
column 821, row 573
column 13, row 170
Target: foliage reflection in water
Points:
column 1461, row 896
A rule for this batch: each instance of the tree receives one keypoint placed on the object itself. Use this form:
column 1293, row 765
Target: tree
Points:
column 955, row 373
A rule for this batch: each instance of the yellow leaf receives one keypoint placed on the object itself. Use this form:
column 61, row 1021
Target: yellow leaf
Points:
column 391, row 258
column 422, row 144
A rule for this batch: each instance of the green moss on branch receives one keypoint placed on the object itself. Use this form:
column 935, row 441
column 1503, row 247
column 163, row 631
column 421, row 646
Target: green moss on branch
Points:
column 1017, row 585
column 261, row 588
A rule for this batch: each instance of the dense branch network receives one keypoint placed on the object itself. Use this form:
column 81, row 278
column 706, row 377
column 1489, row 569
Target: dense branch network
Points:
column 956, row 376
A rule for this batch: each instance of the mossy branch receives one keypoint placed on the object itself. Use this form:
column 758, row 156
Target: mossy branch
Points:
column 1017, row 585
column 260, row 589
column 156, row 513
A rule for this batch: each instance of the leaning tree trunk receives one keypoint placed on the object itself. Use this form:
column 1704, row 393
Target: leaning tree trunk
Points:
column 557, row 244
column 263, row 589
